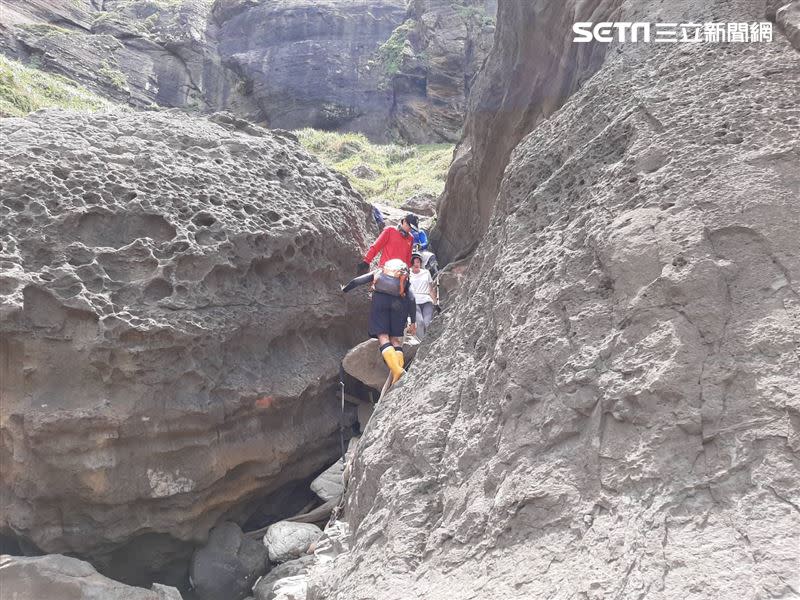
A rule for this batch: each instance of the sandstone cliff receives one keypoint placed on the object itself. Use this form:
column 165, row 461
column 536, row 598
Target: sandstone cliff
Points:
column 611, row 409
column 170, row 328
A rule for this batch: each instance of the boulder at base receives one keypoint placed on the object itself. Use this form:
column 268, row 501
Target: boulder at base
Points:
column 58, row 577
column 286, row 540
column 263, row 589
column 228, row 565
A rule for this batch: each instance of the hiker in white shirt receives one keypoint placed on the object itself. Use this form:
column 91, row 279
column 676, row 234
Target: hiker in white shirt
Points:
column 424, row 292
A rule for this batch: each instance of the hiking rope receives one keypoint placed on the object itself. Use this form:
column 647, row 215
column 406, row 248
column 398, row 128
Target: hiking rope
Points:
column 341, row 416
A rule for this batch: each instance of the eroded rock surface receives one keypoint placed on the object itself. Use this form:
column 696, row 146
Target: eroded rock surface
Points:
column 611, row 409
column 228, row 565
column 171, row 327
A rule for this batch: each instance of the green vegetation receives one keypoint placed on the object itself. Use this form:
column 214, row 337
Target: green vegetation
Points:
column 391, row 50
column 45, row 29
column 115, row 76
column 24, row 89
column 476, row 15
column 400, row 171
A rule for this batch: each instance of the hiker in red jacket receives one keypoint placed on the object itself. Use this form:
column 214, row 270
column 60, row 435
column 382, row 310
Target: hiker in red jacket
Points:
column 392, row 243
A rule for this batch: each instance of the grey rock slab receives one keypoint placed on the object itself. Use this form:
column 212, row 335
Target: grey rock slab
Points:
column 365, row 363
column 329, row 484
column 58, row 577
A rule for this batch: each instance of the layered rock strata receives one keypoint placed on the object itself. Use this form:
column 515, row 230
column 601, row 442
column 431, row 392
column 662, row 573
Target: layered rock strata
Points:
column 612, row 409
column 171, row 327
column 141, row 52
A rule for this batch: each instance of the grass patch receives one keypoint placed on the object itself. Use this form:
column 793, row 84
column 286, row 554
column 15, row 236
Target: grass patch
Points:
column 401, row 171
column 114, row 76
column 24, row 89
column 45, row 29
column 391, row 50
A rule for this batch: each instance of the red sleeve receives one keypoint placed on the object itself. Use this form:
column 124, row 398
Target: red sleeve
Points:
column 377, row 245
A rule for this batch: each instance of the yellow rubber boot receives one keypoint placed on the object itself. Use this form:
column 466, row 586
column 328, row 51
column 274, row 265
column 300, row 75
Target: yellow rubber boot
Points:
column 392, row 360
column 400, row 357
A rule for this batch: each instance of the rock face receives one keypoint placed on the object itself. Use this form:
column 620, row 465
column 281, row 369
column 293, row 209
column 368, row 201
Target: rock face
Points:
column 263, row 589
column 171, row 327
column 57, row 577
column 140, row 52
column 386, row 68
column 432, row 60
column 530, row 71
column 612, row 407
column 307, row 60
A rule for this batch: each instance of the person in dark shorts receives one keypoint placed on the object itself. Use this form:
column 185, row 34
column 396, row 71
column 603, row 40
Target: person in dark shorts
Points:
column 393, row 304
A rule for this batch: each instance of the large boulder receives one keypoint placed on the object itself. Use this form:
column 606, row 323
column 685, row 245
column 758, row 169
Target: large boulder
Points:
column 228, row 564
column 365, row 363
column 57, row 577
column 329, row 484
column 611, row 408
column 171, row 328
column 286, row 540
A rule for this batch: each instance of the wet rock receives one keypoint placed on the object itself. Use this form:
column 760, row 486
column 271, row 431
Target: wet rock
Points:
column 154, row 376
column 228, row 564
column 609, row 409
column 56, row 577
column 286, row 540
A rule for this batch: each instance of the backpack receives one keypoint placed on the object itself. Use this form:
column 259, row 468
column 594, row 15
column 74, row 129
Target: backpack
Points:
column 392, row 278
